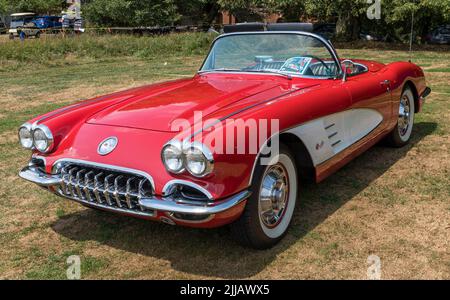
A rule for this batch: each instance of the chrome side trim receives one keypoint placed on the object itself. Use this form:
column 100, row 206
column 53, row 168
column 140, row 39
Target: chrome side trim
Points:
column 108, row 167
column 351, row 126
column 187, row 183
column 171, row 205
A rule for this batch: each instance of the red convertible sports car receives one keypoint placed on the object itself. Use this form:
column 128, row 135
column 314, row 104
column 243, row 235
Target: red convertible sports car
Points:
column 272, row 106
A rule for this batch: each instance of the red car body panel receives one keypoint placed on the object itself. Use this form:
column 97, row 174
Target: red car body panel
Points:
column 143, row 121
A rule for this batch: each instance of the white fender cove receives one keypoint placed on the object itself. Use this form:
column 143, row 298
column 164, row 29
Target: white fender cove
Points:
column 327, row 136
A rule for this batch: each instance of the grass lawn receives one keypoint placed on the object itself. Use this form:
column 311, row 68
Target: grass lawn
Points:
column 393, row 203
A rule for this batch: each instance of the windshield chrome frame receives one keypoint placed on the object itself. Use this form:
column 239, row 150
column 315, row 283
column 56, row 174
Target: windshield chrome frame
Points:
column 325, row 42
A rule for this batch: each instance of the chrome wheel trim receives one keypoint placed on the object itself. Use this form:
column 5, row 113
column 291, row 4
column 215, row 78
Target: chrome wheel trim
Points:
column 273, row 195
column 280, row 226
column 406, row 115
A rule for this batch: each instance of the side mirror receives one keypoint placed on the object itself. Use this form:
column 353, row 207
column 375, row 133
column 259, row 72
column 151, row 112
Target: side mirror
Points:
column 348, row 67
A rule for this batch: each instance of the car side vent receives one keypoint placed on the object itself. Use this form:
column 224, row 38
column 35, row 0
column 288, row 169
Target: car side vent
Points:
column 333, row 134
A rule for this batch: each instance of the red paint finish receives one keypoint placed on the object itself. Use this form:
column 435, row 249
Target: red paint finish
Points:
column 143, row 120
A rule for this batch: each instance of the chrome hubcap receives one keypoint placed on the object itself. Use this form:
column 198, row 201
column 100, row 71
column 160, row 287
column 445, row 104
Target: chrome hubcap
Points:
column 273, row 196
column 404, row 115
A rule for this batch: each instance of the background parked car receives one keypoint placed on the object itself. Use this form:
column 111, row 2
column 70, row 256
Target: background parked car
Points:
column 327, row 30
column 40, row 24
column 19, row 20
column 365, row 36
column 2, row 27
column 440, row 35
column 48, row 22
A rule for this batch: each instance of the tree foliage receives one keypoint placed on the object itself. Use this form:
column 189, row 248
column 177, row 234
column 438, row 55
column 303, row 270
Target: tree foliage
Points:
column 131, row 12
column 350, row 15
column 427, row 15
column 37, row 6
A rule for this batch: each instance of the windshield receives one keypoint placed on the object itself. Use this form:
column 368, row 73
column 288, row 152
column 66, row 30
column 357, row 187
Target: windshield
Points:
column 20, row 21
column 284, row 53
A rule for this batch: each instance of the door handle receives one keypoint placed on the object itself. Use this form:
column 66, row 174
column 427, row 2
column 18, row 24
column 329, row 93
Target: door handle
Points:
column 386, row 83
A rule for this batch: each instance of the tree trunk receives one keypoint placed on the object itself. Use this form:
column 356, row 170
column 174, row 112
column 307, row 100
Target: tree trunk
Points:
column 347, row 27
column 213, row 10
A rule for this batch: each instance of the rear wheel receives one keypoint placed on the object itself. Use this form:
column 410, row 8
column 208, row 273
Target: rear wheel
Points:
column 269, row 210
column 401, row 135
column 11, row 36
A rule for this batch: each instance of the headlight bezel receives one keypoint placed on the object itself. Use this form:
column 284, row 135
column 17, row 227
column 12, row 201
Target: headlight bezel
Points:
column 29, row 128
column 177, row 145
column 184, row 148
column 207, row 156
column 48, row 135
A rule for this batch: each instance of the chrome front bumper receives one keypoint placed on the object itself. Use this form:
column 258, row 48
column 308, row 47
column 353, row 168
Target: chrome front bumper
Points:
column 164, row 204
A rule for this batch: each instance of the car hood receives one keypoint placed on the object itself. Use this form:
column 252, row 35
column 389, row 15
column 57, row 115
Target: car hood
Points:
column 160, row 110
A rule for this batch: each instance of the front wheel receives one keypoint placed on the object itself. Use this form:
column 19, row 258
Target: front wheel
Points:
column 401, row 135
column 269, row 210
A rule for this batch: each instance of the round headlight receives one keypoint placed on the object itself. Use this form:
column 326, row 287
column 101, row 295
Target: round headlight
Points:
column 172, row 157
column 43, row 139
column 26, row 136
column 199, row 160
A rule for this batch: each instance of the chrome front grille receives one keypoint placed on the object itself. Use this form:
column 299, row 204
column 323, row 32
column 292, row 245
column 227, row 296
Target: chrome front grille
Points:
column 106, row 188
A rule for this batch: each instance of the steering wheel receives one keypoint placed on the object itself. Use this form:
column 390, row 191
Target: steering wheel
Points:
column 321, row 61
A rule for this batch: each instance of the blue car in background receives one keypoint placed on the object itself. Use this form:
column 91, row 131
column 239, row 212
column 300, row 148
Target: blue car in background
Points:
column 47, row 22
column 39, row 24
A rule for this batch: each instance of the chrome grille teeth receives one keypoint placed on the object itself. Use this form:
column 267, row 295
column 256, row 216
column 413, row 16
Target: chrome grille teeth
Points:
column 129, row 192
column 141, row 192
column 78, row 186
column 116, row 192
column 107, row 191
column 97, row 188
column 87, row 185
column 115, row 189
column 64, row 178
column 71, row 182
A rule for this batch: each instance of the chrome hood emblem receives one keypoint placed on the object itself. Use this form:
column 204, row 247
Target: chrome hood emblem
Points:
column 107, row 146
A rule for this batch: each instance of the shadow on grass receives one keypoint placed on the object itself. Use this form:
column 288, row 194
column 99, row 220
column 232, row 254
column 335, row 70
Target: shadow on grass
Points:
column 214, row 253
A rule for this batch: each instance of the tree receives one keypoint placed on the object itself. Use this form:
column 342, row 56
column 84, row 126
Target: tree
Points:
column 249, row 10
column 198, row 11
column 292, row 10
column 427, row 15
column 347, row 12
column 131, row 12
column 37, row 6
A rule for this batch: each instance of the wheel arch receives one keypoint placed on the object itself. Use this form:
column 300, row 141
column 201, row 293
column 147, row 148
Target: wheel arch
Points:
column 303, row 160
column 413, row 88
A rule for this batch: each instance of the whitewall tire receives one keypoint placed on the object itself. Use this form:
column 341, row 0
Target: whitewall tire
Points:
column 401, row 135
column 269, row 211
